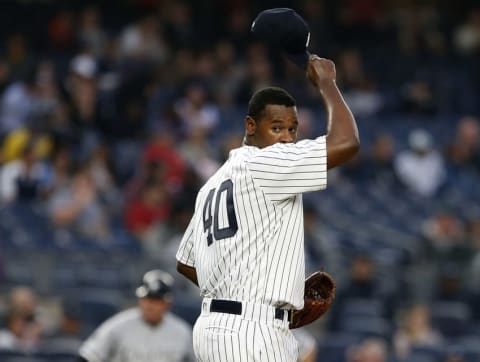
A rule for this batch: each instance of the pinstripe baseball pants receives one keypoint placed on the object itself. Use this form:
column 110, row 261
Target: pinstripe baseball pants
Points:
column 254, row 335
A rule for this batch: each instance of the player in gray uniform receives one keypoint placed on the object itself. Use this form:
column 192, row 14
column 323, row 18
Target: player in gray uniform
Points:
column 148, row 333
column 244, row 245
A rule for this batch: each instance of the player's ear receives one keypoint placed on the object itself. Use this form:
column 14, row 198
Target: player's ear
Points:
column 250, row 126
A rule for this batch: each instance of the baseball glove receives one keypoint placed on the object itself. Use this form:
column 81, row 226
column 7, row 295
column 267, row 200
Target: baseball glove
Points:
column 319, row 295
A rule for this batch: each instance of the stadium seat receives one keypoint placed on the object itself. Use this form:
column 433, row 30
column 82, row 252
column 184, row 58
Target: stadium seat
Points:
column 56, row 356
column 11, row 355
column 333, row 347
column 60, row 347
column 23, row 359
column 451, row 318
column 421, row 358
column 435, row 353
column 366, row 326
column 469, row 347
column 96, row 305
column 362, row 307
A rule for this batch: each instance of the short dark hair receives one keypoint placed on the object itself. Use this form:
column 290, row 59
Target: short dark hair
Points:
column 266, row 96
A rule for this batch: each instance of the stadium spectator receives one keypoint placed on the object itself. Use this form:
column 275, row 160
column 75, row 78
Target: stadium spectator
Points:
column 472, row 281
column 369, row 350
column 238, row 24
column 101, row 171
column 443, row 245
column 228, row 75
column 90, row 32
column 449, row 284
column 194, row 109
column 142, row 42
column 376, row 166
column 19, row 55
column 15, row 142
column 146, row 215
column 205, row 66
column 23, row 300
column 179, row 28
column 161, row 161
column 415, row 330
column 60, row 168
column 381, row 160
column 61, row 30
column 421, row 168
column 360, row 89
column 25, row 179
column 19, row 102
column 473, row 230
column 4, row 75
column 259, row 73
column 306, row 128
column 196, row 150
column 418, row 97
column 76, row 207
column 23, row 329
column 321, row 244
column 145, row 332
column 362, row 282
column 445, row 236
column 68, row 335
column 464, row 151
column 82, row 89
column 316, row 15
column 19, row 333
column 458, row 356
column 228, row 143
column 466, row 37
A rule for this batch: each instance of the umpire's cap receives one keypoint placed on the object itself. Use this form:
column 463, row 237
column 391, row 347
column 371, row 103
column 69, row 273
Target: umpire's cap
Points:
column 155, row 284
column 284, row 29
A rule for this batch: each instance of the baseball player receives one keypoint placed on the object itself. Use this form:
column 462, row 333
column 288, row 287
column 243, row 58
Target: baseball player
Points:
column 144, row 334
column 244, row 244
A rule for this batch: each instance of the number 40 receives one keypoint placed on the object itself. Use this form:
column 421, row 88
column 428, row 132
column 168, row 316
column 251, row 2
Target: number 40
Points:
column 208, row 219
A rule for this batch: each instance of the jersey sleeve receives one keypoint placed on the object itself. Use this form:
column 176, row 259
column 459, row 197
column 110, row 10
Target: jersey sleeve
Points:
column 285, row 170
column 186, row 252
column 98, row 346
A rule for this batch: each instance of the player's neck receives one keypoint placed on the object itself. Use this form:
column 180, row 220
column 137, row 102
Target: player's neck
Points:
column 248, row 141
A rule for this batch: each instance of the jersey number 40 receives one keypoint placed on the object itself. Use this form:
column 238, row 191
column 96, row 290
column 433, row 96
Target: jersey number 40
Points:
column 210, row 220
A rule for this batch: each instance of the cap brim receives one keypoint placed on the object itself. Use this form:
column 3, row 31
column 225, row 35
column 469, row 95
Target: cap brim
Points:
column 143, row 292
column 300, row 59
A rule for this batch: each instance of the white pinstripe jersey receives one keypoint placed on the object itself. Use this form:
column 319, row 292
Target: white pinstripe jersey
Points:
column 245, row 239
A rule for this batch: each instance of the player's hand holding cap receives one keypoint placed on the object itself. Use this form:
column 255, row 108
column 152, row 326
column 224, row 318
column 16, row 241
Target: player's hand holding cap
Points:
column 284, row 29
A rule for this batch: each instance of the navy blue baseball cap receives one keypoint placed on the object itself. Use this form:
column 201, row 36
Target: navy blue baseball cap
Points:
column 285, row 30
column 155, row 284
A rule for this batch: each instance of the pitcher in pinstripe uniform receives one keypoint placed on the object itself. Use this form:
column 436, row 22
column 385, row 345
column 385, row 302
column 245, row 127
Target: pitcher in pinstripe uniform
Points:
column 244, row 245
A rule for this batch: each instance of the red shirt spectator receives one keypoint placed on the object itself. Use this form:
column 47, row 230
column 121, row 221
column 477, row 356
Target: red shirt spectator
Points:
column 151, row 208
column 161, row 151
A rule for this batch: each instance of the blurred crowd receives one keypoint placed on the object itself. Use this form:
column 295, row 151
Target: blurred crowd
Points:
column 111, row 117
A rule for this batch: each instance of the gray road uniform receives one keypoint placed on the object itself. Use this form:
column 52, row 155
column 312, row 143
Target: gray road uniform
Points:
column 127, row 338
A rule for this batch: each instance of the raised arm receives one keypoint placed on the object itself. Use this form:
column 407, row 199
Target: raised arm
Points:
column 342, row 134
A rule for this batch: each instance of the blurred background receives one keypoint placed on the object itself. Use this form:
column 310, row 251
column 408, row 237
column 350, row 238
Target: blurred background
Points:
column 113, row 114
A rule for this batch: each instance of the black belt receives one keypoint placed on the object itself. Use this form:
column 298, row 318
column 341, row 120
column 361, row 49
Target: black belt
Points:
column 233, row 307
